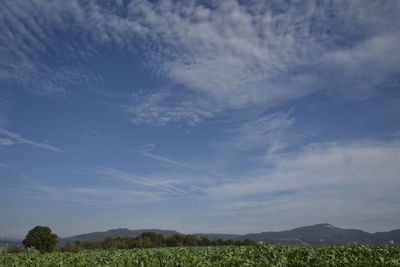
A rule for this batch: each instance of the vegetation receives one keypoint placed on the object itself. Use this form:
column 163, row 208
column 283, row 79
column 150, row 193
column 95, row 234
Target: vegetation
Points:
column 257, row 255
column 151, row 240
column 153, row 249
column 15, row 250
column 41, row 238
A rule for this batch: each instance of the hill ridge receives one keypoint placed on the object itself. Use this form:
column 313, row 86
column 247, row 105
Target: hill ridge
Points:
column 317, row 234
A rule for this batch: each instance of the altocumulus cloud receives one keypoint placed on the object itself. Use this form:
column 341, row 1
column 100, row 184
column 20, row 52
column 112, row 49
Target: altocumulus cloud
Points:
column 225, row 55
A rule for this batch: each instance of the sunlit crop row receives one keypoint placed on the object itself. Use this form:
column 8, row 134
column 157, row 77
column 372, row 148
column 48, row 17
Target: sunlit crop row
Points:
column 258, row 255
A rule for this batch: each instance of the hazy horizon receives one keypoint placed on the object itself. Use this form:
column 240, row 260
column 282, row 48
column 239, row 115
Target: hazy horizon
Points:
column 227, row 117
column 187, row 233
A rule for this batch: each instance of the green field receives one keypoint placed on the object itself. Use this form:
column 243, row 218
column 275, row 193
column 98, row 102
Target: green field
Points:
column 259, row 255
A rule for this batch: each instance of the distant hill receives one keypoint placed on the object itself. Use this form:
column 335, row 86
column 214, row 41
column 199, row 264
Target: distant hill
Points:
column 223, row 236
column 10, row 240
column 120, row 232
column 319, row 234
column 389, row 236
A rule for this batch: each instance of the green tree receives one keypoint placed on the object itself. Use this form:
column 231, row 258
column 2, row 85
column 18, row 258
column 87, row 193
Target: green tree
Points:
column 218, row 242
column 145, row 242
column 175, row 240
column 229, row 242
column 191, row 240
column 156, row 240
column 77, row 243
column 67, row 247
column 238, row 243
column 249, row 242
column 41, row 238
column 205, row 241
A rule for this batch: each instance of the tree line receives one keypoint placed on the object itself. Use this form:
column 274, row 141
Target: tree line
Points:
column 41, row 238
column 152, row 240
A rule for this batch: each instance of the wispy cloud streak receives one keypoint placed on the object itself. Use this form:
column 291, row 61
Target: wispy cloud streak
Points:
column 149, row 183
column 102, row 197
column 5, row 166
column 168, row 160
column 13, row 138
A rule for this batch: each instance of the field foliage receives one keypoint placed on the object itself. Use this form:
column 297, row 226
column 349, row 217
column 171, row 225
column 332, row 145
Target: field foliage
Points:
column 258, row 255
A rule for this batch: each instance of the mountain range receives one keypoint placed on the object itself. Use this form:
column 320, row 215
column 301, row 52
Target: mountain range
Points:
column 319, row 234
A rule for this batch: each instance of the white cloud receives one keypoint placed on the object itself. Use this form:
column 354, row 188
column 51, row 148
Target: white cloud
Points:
column 153, row 184
column 91, row 132
column 163, row 107
column 30, row 31
column 102, row 197
column 167, row 160
column 226, row 56
column 139, row 190
column 238, row 56
column 5, row 166
column 118, row 188
column 233, row 57
column 323, row 165
column 175, row 163
column 257, row 140
column 354, row 184
column 7, row 142
column 13, row 138
column 4, row 102
column 358, row 71
column 266, row 130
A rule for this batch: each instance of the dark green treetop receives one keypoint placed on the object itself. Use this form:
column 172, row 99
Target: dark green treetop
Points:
column 41, row 238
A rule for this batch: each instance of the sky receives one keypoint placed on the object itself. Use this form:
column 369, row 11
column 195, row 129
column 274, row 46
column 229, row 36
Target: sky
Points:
column 199, row 116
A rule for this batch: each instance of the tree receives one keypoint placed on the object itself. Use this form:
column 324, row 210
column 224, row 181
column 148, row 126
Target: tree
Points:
column 191, row 240
column 156, row 240
column 41, row 238
column 68, row 247
column 218, row 242
column 205, row 241
column 145, row 242
column 175, row 240
column 77, row 243
column 249, row 242
column 238, row 243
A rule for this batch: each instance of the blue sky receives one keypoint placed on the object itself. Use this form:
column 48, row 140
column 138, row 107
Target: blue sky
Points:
column 225, row 116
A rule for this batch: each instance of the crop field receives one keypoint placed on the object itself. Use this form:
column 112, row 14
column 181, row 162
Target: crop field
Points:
column 258, row 255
